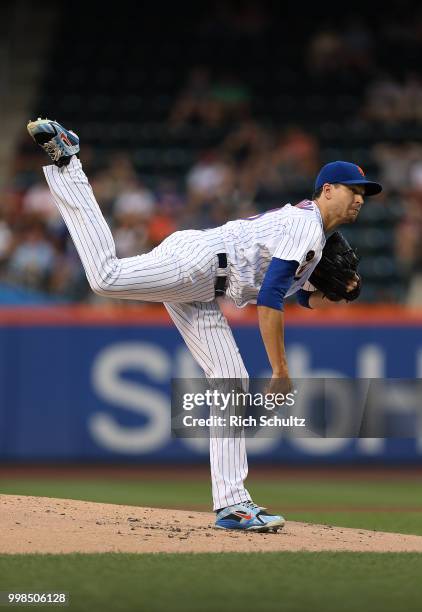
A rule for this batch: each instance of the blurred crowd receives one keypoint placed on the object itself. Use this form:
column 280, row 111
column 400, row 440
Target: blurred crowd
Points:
column 253, row 167
column 252, row 170
column 246, row 174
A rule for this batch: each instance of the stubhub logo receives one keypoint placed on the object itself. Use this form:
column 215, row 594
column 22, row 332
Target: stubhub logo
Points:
column 157, row 365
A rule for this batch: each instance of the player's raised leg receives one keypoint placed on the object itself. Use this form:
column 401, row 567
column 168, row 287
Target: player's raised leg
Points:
column 173, row 271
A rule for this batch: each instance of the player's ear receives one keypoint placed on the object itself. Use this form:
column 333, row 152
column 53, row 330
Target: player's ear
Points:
column 327, row 190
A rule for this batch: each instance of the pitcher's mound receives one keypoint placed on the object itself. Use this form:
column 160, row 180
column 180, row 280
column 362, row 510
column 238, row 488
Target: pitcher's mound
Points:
column 45, row 525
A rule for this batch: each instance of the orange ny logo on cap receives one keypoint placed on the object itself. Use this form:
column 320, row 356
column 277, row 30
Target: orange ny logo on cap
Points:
column 360, row 170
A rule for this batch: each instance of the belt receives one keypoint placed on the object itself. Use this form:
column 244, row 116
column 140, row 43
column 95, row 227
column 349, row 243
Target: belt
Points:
column 221, row 280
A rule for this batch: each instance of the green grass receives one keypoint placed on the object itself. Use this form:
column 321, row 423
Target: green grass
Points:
column 309, row 582
column 348, row 504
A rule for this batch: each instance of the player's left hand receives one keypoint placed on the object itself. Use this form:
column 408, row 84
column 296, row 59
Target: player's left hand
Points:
column 353, row 283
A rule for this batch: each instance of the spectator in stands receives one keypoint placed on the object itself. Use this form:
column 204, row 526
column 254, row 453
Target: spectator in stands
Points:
column 193, row 105
column 299, row 149
column 6, row 241
column 412, row 98
column 119, row 177
column 409, row 250
column 358, row 43
column 38, row 201
column 247, row 141
column 209, row 179
column 326, row 53
column 209, row 185
column 248, row 148
column 130, row 235
column 169, row 197
column 230, row 100
column 294, row 161
column 383, row 100
column 135, row 199
column 169, row 206
column 210, row 103
column 408, row 235
column 389, row 101
column 395, row 163
column 67, row 279
column 32, row 260
column 132, row 210
column 105, row 188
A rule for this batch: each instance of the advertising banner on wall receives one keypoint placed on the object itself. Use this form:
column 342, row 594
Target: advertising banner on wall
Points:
column 103, row 392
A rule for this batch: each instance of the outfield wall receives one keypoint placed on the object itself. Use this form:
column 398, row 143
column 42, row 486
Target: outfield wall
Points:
column 89, row 384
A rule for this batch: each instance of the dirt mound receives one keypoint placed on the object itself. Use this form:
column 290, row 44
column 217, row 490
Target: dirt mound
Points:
column 45, row 525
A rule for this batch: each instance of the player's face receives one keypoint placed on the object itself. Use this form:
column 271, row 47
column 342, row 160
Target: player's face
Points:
column 349, row 200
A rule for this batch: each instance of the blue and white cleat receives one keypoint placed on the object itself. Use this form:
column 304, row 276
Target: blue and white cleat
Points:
column 247, row 516
column 60, row 144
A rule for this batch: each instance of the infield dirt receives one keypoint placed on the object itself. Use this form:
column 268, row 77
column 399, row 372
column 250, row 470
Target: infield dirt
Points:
column 47, row 525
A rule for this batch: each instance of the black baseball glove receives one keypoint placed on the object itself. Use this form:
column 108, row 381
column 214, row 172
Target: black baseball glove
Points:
column 337, row 269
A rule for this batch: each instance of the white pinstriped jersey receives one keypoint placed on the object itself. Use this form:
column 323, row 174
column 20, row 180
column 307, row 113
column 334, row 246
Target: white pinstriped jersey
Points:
column 293, row 233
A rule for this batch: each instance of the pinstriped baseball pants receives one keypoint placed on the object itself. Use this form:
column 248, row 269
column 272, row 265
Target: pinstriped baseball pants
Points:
column 180, row 272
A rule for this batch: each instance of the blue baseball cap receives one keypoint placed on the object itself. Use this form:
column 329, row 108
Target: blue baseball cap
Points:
column 346, row 174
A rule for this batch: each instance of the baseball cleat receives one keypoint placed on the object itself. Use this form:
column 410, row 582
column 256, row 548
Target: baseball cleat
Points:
column 247, row 516
column 60, row 144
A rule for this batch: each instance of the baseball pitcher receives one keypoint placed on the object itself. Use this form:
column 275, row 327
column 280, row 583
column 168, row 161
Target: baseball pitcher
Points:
column 262, row 260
